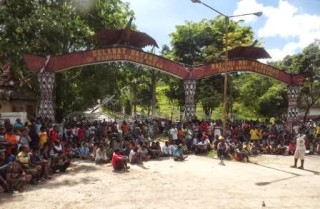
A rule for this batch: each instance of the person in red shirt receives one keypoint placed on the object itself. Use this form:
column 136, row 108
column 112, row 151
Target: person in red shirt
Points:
column 54, row 134
column 11, row 139
column 119, row 161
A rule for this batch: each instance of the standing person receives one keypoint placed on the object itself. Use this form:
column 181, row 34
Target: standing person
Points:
column 222, row 150
column 173, row 134
column 300, row 149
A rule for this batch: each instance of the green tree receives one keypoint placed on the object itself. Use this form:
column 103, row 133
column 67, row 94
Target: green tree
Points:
column 47, row 27
column 203, row 43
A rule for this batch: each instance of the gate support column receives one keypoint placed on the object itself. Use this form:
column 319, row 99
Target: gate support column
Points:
column 293, row 111
column 189, row 89
column 46, row 81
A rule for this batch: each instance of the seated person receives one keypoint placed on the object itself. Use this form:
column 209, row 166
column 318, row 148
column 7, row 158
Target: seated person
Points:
column 155, row 150
column 58, row 161
column 3, row 170
column 203, row 146
column 248, row 147
column 241, row 154
column 255, row 148
column 85, row 152
column 178, row 153
column 281, row 149
column 26, row 164
column 265, row 149
column 37, row 159
column 167, row 149
column 67, row 149
column 15, row 177
column 75, row 151
column 144, row 153
column 292, row 147
column 135, row 156
column 119, row 162
column 126, row 148
column 101, row 155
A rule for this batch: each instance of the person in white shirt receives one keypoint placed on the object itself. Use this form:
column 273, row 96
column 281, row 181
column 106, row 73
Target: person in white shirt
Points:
column 174, row 134
column 144, row 153
column 101, row 155
column 300, row 149
column 167, row 149
column 134, row 156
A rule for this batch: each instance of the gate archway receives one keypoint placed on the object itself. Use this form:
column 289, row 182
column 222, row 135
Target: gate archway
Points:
column 47, row 66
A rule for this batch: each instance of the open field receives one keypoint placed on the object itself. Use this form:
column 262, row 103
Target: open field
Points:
column 199, row 182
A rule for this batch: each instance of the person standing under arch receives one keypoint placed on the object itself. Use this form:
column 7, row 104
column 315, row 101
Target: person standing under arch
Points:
column 300, row 149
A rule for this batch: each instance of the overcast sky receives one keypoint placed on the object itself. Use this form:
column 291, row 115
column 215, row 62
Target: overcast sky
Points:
column 285, row 28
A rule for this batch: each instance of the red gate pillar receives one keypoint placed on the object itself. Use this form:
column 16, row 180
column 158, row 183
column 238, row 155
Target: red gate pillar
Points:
column 189, row 89
column 293, row 111
column 46, row 82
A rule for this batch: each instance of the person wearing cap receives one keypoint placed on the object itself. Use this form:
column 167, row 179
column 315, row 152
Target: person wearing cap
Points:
column 119, row 162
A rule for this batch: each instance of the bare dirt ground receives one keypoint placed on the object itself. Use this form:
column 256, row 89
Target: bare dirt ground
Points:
column 199, row 182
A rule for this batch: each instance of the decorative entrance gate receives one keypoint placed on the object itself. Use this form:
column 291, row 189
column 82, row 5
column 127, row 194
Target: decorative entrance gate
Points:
column 46, row 67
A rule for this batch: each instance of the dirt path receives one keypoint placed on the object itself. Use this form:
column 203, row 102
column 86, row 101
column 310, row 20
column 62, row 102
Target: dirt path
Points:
column 199, row 182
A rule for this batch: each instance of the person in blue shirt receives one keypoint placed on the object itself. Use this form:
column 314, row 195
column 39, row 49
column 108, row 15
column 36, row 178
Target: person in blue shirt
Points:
column 18, row 124
column 85, row 151
column 178, row 153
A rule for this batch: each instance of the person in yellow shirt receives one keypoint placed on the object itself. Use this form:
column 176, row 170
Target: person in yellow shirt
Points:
column 318, row 129
column 43, row 137
column 28, row 167
column 254, row 134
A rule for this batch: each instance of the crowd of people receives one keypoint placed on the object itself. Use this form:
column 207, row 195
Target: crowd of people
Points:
column 31, row 152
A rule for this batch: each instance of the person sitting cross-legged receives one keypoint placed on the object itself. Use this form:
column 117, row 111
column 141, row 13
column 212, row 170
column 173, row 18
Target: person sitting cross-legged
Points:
column 144, row 152
column 101, row 155
column 16, row 178
column 27, row 165
column 135, row 156
column 167, row 149
column 241, row 154
column 119, row 161
column 85, row 152
column 178, row 153
column 37, row 159
column 58, row 160
column 155, row 150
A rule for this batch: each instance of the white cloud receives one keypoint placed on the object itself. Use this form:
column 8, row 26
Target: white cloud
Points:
column 286, row 23
column 247, row 6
